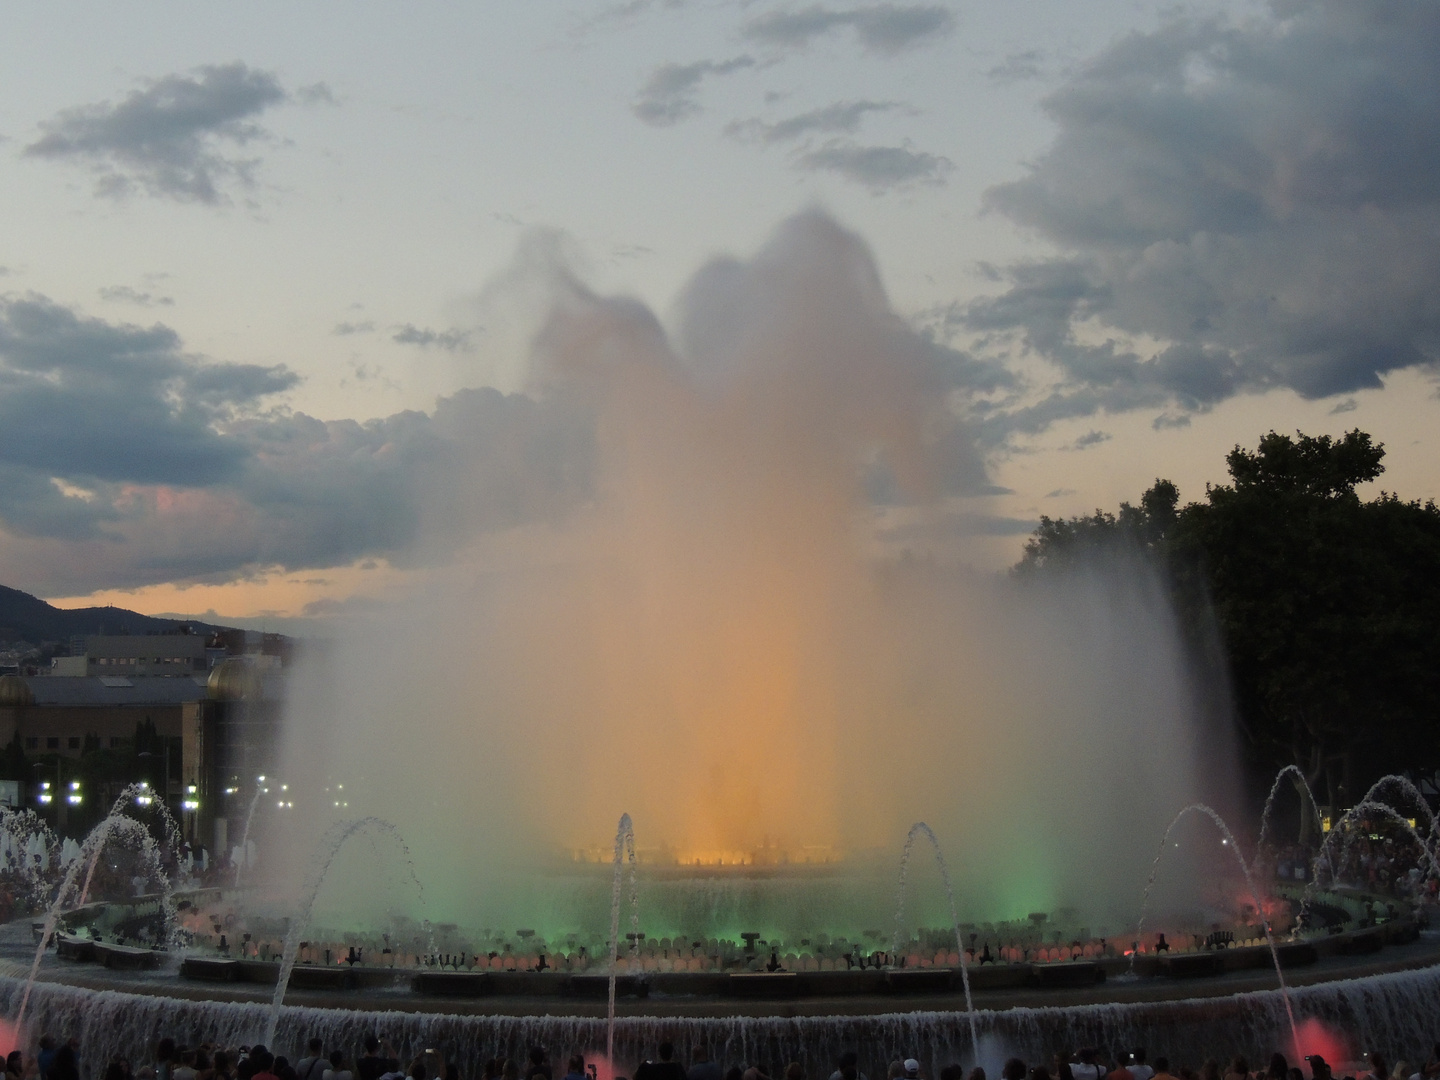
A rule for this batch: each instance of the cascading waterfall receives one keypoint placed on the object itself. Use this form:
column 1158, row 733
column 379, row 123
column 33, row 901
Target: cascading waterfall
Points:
column 921, row 829
column 1395, row 1011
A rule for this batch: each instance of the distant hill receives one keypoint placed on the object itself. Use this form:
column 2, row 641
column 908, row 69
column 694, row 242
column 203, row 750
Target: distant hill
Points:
column 27, row 617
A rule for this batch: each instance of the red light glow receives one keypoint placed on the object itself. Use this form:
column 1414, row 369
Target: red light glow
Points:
column 1313, row 1037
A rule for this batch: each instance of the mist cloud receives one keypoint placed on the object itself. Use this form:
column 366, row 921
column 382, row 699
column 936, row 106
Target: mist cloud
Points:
column 725, row 619
column 1260, row 198
column 178, row 137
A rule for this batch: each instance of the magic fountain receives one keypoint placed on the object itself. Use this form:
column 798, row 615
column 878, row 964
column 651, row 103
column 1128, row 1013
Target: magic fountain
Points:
column 728, row 603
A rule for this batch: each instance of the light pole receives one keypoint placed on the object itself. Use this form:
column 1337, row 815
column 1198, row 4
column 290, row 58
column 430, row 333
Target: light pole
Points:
column 59, row 796
column 165, row 791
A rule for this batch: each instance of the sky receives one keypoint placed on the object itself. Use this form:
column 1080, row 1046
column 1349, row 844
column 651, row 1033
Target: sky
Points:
column 269, row 271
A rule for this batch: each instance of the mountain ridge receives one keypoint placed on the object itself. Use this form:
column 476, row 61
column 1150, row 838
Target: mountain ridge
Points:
column 28, row 618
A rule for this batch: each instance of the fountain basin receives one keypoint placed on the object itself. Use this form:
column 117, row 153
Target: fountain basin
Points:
column 125, row 957
column 1188, row 1022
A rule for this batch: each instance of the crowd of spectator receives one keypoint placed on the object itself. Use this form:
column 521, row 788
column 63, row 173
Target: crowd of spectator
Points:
column 377, row 1059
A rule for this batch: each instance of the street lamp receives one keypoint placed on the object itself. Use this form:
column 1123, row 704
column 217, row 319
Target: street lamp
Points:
column 165, row 791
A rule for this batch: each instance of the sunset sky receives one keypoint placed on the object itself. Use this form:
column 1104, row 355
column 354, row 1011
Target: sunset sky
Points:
column 256, row 261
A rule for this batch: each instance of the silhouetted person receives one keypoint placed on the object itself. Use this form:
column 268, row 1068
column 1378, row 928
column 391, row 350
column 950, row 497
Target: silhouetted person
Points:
column 701, row 1067
column 667, row 1068
column 377, row 1060
column 312, row 1065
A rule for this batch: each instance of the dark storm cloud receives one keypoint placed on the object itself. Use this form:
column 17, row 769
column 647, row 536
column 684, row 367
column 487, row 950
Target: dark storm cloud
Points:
column 668, row 96
column 841, row 117
column 881, row 28
column 95, row 402
column 327, row 492
column 878, row 168
column 176, row 137
column 1260, row 198
column 166, row 467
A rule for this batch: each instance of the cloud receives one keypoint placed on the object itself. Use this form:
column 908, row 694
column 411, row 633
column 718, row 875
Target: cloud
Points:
column 668, row 96
column 1091, row 438
column 1348, row 405
column 124, row 294
column 86, row 403
column 841, row 117
column 177, row 137
column 1019, row 67
column 450, row 340
column 878, row 168
column 1258, row 198
column 126, row 460
column 1059, row 493
column 345, row 329
column 880, row 28
column 315, row 94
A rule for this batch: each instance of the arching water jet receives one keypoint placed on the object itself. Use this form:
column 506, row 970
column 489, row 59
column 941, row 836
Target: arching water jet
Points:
column 1234, row 846
column 94, row 842
column 330, row 844
column 921, row 829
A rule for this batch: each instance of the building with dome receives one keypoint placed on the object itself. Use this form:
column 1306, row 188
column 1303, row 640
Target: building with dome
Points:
column 55, row 721
column 210, row 735
column 229, row 738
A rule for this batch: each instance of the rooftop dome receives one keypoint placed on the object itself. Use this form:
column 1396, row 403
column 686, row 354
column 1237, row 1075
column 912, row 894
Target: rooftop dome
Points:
column 233, row 679
column 15, row 691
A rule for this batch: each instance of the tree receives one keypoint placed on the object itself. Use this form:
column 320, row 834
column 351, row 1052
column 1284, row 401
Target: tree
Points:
column 13, row 765
column 1059, row 543
column 1328, row 606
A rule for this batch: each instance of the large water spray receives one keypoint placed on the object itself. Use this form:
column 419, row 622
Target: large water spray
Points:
column 749, row 621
